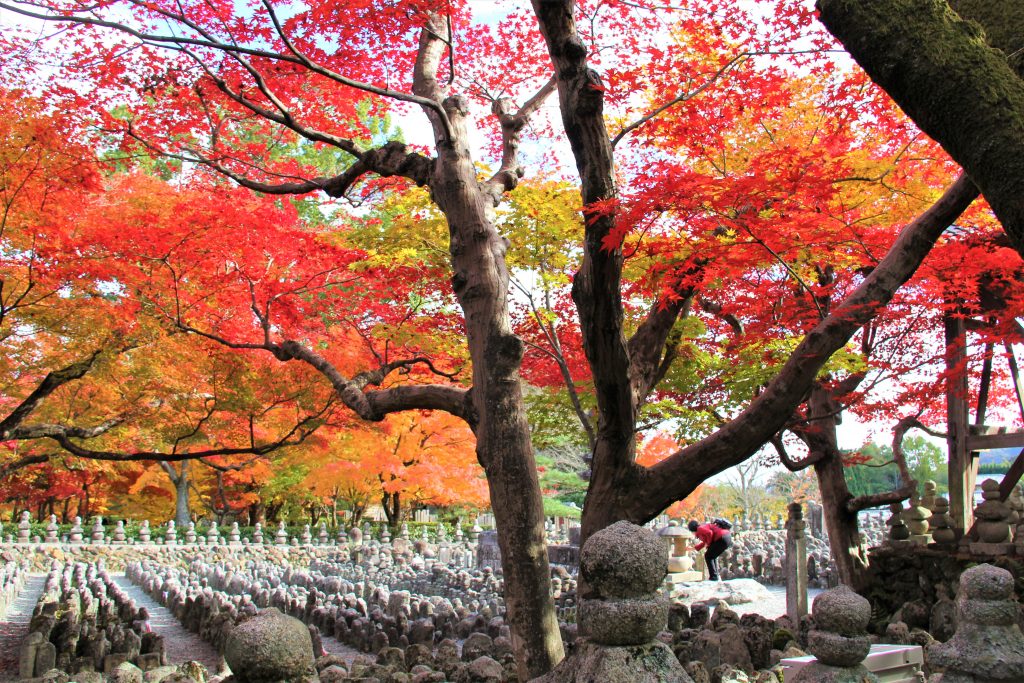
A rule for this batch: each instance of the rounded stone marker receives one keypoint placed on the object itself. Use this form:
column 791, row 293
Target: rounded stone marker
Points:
column 624, row 561
column 268, row 648
column 841, row 611
column 987, row 583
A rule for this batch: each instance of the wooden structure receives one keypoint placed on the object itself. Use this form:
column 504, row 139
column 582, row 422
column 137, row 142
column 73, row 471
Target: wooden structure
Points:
column 965, row 439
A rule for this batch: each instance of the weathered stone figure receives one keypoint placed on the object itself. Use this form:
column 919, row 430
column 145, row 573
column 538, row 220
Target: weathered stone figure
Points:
column 624, row 565
column 839, row 640
column 988, row 646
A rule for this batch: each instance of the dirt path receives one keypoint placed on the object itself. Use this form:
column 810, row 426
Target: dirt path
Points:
column 179, row 644
column 14, row 626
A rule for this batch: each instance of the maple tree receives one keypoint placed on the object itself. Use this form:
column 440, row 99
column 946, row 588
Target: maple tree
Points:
column 409, row 459
column 230, row 91
column 86, row 372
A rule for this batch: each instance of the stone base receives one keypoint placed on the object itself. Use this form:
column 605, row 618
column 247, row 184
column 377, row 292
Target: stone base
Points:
column 993, row 549
column 935, row 545
column 817, row 672
column 651, row 663
column 921, row 539
column 676, row 578
column 901, row 544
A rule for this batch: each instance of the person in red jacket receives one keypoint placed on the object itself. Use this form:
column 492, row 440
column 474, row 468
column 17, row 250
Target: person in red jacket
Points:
column 716, row 539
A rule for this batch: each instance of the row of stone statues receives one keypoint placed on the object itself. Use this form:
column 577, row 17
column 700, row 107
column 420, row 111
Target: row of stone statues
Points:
column 927, row 520
column 212, row 536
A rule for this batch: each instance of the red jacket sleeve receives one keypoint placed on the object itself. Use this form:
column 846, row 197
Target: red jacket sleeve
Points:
column 705, row 534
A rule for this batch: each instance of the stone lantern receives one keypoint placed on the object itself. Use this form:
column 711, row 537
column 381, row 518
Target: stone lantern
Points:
column 680, row 561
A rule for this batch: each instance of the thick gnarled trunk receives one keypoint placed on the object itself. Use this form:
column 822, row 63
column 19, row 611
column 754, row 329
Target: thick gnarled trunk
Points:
column 953, row 79
column 481, row 281
column 840, row 523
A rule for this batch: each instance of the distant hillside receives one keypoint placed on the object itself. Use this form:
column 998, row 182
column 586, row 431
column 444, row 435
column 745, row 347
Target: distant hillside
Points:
column 998, row 455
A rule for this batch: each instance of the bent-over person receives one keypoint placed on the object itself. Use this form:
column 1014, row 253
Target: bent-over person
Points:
column 716, row 539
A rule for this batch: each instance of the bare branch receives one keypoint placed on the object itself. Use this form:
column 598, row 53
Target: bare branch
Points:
column 509, row 172
column 908, row 485
column 788, row 462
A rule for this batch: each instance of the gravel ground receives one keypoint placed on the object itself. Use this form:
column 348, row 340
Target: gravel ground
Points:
column 775, row 606
column 14, row 626
column 336, row 647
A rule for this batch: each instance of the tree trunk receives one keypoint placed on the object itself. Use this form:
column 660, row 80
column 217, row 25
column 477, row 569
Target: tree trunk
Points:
column 392, row 504
column 961, row 90
column 819, row 433
column 480, row 280
column 273, row 512
column 181, row 497
column 840, row 524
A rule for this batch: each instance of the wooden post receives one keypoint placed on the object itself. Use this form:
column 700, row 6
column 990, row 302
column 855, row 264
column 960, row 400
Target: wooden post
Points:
column 961, row 483
column 796, row 564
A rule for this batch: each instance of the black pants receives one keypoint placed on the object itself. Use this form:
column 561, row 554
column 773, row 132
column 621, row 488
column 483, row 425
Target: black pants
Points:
column 714, row 550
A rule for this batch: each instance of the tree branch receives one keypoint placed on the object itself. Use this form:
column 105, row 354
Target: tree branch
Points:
column 297, row 434
column 47, row 386
column 908, row 485
column 375, row 405
column 506, row 178
column 675, row 477
column 788, row 462
column 177, row 41
column 649, row 348
column 434, row 38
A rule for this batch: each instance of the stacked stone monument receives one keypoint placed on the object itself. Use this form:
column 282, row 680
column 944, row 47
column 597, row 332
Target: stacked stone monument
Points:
column 623, row 565
column 24, row 528
column 838, row 640
column 988, row 646
column 52, row 530
column 993, row 523
column 941, row 524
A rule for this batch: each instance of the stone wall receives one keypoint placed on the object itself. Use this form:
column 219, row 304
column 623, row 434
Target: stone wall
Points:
column 911, row 580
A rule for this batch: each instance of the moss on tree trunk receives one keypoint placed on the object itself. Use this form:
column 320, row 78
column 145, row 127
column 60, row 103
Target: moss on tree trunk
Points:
column 952, row 79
